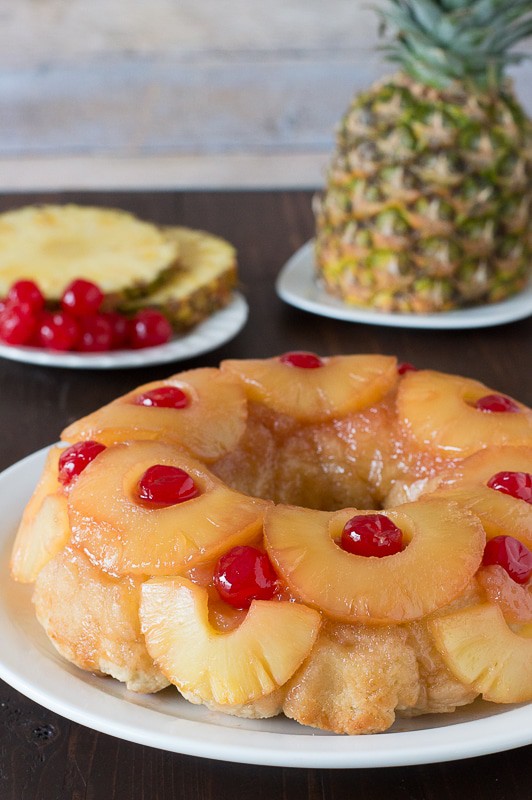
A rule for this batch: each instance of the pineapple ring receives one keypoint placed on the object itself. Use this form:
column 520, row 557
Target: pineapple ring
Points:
column 56, row 244
column 123, row 536
column 214, row 398
column 445, row 547
column 435, row 409
column 481, row 650
column 44, row 528
column 342, row 385
column 234, row 668
column 499, row 513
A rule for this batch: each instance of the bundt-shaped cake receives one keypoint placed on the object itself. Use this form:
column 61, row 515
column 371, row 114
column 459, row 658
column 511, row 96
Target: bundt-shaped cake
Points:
column 339, row 539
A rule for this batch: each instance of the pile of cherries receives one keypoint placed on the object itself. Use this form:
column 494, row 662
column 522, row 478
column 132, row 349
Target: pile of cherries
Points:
column 79, row 323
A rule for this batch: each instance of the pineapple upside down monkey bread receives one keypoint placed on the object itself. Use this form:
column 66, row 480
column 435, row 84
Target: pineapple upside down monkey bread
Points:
column 339, row 539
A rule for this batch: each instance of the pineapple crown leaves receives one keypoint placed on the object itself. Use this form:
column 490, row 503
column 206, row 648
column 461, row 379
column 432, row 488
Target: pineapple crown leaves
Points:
column 442, row 41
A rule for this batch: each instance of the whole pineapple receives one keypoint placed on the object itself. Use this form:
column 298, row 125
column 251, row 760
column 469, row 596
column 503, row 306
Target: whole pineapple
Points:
column 428, row 203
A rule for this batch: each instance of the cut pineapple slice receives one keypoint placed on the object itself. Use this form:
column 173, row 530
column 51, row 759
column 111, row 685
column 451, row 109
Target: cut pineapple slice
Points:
column 204, row 283
column 343, row 385
column 499, row 513
column 122, row 535
column 480, row 467
column 232, row 668
column 210, row 426
column 44, row 529
column 437, row 411
column 445, row 547
column 56, row 244
column 482, row 651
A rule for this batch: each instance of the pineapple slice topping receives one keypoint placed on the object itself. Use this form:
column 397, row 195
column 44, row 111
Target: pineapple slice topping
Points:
column 481, row 650
column 499, row 513
column 342, row 385
column 122, row 535
column 445, row 548
column 44, row 528
column 232, row 668
column 438, row 411
column 208, row 426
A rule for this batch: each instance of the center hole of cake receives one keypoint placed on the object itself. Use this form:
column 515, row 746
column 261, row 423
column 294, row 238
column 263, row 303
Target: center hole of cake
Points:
column 293, row 466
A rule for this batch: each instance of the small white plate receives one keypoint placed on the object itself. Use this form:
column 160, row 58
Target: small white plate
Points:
column 215, row 331
column 30, row 664
column 298, row 286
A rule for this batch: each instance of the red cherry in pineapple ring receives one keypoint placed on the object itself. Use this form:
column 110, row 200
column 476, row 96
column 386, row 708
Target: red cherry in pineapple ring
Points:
column 516, row 484
column 74, row 459
column 371, row 535
column 164, row 485
column 405, row 366
column 163, row 397
column 244, row 574
column 511, row 555
column 497, row 404
column 302, row 359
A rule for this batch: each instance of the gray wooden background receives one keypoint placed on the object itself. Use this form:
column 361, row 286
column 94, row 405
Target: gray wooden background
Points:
column 180, row 92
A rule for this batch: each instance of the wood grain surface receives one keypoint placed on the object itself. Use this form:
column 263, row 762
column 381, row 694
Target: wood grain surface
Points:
column 46, row 757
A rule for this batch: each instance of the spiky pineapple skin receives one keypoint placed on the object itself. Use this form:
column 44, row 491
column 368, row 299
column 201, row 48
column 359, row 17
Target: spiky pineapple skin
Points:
column 427, row 205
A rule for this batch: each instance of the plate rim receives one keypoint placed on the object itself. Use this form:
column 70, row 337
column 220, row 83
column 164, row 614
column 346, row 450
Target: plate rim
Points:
column 79, row 696
column 307, row 295
column 219, row 328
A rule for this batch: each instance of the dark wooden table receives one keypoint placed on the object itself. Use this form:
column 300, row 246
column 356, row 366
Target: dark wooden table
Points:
column 44, row 756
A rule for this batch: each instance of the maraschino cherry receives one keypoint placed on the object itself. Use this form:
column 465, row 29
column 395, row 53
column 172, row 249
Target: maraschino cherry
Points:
column 96, row 334
column 511, row 555
column 26, row 293
column 119, row 329
column 149, row 328
column 75, row 458
column 17, row 324
column 57, row 330
column 82, row 298
column 244, row 574
column 371, row 535
column 497, row 404
column 163, row 397
column 301, row 359
column 405, row 366
column 165, row 485
column 515, row 484
column 79, row 323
